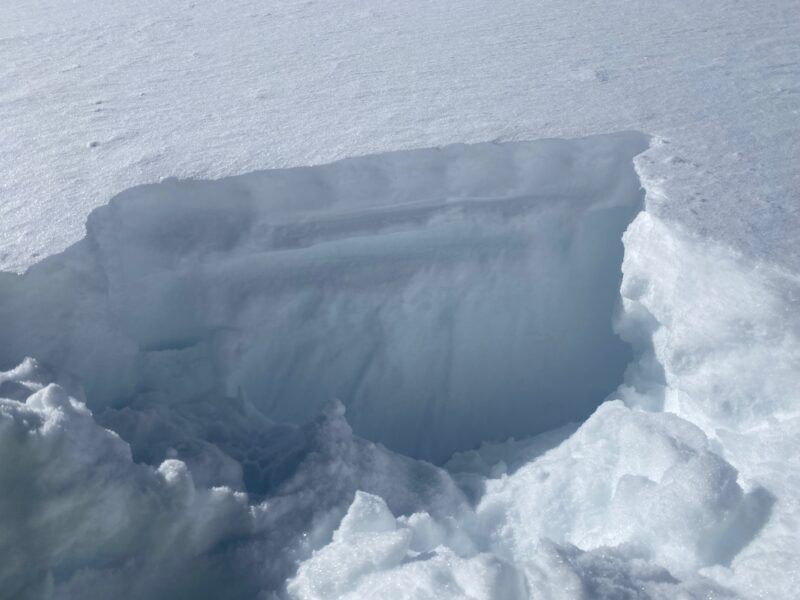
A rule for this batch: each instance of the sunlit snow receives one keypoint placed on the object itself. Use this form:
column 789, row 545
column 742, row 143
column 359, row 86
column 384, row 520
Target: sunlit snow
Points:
column 532, row 330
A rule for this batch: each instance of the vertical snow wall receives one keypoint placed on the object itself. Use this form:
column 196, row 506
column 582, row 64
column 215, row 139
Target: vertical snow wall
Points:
column 446, row 296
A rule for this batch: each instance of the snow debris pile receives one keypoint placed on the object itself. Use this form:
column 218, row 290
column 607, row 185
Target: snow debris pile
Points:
column 184, row 428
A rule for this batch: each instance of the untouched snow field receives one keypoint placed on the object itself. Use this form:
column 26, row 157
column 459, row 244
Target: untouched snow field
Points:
column 208, row 89
column 536, row 336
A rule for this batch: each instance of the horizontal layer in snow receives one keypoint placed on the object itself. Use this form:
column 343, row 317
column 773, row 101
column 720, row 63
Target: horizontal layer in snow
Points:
column 446, row 296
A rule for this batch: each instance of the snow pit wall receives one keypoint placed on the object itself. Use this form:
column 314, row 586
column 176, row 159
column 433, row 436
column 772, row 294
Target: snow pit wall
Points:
column 446, row 296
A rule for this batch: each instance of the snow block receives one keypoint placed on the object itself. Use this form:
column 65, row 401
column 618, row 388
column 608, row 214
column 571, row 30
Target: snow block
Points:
column 445, row 296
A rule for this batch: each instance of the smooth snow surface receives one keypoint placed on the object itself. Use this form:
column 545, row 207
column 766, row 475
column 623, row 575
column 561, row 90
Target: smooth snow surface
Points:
column 223, row 385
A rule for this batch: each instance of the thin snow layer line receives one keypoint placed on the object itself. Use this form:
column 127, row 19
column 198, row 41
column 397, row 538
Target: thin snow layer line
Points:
column 95, row 102
column 446, row 297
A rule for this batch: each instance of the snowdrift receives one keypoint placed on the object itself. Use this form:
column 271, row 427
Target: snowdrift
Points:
column 232, row 382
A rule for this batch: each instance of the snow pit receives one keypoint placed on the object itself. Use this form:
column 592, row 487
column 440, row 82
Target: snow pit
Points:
column 445, row 296
column 203, row 357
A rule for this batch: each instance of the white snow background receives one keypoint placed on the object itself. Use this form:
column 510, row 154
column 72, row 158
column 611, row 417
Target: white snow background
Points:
column 229, row 384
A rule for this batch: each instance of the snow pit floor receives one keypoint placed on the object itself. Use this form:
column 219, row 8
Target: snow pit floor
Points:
column 241, row 388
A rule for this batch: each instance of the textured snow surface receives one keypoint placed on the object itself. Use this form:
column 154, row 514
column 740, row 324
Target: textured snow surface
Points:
column 221, row 385
column 94, row 101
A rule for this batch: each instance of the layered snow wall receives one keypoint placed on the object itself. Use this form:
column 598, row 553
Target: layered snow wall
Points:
column 446, row 297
